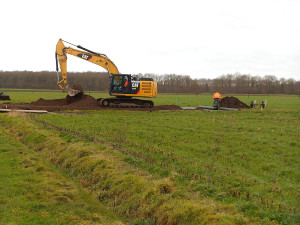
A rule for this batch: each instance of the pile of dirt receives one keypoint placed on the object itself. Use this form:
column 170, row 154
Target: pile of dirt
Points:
column 85, row 102
column 54, row 102
column 232, row 102
column 69, row 103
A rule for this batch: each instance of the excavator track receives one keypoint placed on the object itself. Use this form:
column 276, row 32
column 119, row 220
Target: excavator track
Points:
column 125, row 102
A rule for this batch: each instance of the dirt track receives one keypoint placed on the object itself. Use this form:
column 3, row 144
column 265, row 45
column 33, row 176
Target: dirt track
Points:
column 87, row 102
column 84, row 103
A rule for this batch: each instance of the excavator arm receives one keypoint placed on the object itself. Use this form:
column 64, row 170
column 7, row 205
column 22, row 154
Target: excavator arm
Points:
column 93, row 57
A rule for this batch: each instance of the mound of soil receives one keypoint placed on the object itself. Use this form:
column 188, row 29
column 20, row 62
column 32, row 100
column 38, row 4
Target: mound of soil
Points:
column 84, row 102
column 55, row 102
column 69, row 103
column 232, row 102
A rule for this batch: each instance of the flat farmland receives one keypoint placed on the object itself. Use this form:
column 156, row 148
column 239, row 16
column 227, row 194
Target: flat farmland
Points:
column 274, row 102
column 176, row 167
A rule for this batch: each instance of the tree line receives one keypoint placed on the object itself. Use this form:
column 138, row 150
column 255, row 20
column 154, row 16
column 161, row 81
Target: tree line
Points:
column 169, row 83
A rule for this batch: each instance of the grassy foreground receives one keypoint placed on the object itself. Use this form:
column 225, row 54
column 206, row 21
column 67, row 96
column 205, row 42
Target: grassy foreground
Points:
column 249, row 158
column 184, row 167
column 32, row 191
column 126, row 189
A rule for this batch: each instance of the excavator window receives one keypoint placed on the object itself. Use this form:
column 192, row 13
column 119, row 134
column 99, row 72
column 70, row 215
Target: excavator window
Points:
column 117, row 80
column 117, row 84
column 121, row 84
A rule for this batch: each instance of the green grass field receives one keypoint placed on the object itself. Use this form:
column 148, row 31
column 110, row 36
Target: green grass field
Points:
column 32, row 191
column 243, row 166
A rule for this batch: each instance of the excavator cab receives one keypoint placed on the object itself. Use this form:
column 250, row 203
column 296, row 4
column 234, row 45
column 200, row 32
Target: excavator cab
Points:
column 120, row 83
column 127, row 85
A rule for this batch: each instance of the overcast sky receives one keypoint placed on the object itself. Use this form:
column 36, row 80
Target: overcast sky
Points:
column 203, row 39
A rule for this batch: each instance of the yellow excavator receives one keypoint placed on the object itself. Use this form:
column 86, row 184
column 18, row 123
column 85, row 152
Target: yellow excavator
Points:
column 123, row 86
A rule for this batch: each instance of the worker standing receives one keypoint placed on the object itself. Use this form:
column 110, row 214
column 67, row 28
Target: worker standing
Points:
column 217, row 98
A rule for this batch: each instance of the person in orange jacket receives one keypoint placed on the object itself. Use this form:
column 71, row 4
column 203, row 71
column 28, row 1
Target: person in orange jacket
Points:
column 217, row 98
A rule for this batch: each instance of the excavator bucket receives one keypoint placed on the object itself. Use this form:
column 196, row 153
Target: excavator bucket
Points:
column 76, row 90
column 72, row 92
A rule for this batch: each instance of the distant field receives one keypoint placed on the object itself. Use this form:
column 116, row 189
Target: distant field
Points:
column 273, row 101
column 248, row 160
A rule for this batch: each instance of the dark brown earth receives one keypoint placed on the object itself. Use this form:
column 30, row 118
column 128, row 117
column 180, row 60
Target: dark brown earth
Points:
column 84, row 102
column 232, row 102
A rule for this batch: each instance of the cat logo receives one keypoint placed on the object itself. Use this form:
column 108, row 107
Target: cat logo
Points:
column 135, row 84
column 85, row 56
